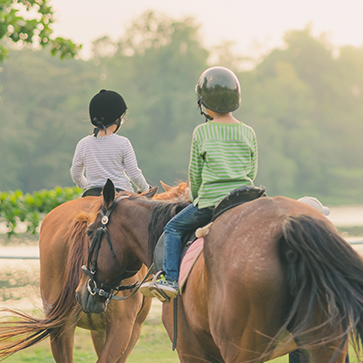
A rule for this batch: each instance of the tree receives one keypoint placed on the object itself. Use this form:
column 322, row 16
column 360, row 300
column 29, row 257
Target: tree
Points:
column 156, row 68
column 29, row 21
column 305, row 103
column 43, row 109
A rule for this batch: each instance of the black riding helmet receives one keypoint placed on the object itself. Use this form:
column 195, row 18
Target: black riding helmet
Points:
column 218, row 89
column 105, row 109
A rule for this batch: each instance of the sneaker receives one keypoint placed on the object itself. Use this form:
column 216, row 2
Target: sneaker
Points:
column 169, row 287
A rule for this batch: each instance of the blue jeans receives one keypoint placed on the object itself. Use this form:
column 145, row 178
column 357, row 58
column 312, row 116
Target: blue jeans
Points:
column 186, row 221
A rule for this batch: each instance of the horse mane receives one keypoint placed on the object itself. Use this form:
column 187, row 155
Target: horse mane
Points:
column 77, row 240
column 77, row 256
column 162, row 213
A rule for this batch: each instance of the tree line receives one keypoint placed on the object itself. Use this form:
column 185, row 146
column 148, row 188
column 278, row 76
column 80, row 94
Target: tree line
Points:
column 304, row 102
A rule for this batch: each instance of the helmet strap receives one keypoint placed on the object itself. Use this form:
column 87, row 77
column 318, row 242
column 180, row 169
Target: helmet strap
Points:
column 99, row 126
column 118, row 123
column 207, row 117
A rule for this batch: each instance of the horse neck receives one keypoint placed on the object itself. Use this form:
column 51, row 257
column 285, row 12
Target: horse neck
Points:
column 144, row 222
column 136, row 226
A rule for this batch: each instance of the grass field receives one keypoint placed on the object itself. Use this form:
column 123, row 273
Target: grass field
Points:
column 153, row 346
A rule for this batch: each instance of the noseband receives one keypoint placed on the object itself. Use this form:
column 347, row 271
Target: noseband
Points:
column 106, row 290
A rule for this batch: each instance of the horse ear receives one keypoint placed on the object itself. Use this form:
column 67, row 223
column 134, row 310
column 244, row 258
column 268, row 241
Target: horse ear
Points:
column 108, row 193
column 150, row 193
column 182, row 186
column 165, row 186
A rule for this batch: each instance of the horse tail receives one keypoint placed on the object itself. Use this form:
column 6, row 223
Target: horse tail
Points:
column 26, row 330
column 324, row 272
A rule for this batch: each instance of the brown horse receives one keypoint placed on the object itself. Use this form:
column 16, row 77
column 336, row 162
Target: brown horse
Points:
column 268, row 266
column 63, row 248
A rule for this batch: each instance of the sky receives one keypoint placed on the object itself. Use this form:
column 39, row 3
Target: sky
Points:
column 256, row 26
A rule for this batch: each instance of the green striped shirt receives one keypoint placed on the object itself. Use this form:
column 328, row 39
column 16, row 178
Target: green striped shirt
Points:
column 223, row 157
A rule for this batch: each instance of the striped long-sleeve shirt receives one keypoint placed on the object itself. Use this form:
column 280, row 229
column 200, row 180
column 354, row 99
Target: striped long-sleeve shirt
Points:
column 223, row 157
column 97, row 159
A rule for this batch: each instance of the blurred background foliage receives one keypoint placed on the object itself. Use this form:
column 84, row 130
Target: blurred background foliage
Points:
column 31, row 208
column 303, row 100
column 30, row 22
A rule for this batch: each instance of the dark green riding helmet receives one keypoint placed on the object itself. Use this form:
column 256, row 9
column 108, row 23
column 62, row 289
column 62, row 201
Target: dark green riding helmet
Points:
column 218, row 89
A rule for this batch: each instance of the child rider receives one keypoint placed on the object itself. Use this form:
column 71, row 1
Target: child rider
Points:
column 223, row 157
column 105, row 155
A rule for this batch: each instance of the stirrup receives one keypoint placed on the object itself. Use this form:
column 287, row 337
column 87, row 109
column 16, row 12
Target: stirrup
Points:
column 154, row 289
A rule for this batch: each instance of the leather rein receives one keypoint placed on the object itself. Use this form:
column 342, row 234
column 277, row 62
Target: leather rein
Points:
column 102, row 289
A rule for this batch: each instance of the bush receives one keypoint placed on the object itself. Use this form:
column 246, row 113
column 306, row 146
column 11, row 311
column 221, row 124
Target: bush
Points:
column 17, row 207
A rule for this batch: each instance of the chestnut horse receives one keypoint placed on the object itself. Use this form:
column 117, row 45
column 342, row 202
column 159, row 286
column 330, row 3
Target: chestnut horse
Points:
column 63, row 246
column 269, row 266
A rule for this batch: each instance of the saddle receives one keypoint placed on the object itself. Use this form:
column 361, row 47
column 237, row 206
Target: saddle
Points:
column 96, row 192
column 236, row 197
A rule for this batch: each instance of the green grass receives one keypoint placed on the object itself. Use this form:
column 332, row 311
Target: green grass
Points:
column 41, row 352
column 153, row 346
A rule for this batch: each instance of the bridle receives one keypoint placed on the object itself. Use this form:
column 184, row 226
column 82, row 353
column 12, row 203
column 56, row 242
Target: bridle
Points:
column 96, row 287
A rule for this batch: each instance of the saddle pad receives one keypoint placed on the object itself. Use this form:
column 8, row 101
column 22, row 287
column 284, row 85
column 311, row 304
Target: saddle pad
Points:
column 188, row 261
